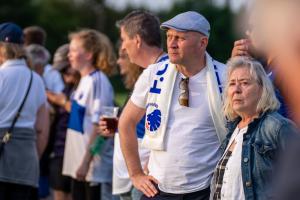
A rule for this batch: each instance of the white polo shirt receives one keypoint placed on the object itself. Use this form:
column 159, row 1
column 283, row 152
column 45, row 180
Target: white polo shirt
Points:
column 192, row 144
column 14, row 81
column 52, row 79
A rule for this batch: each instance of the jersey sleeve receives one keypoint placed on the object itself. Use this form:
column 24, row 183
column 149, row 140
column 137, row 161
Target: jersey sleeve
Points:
column 141, row 88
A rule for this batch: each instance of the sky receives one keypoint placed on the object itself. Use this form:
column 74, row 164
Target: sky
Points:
column 158, row 5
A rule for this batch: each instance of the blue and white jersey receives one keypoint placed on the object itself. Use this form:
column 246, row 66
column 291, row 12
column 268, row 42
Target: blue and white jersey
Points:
column 94, row 91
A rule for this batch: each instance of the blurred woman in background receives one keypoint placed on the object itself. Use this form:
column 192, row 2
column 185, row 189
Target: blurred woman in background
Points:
column 61, row 184
column 91, row 54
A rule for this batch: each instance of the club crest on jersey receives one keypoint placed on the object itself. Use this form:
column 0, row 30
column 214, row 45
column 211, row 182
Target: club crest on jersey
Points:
column 153, row 118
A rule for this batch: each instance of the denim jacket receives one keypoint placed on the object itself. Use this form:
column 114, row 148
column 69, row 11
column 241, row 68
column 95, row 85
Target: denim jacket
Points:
column 265, row 138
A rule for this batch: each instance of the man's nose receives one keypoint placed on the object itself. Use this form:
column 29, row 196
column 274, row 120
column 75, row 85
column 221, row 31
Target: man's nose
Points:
column 172, row 43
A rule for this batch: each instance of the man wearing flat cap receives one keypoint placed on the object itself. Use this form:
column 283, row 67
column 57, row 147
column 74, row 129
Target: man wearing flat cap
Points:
column 184, row 126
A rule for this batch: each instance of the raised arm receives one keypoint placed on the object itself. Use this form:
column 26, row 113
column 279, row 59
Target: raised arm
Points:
column 241, row 48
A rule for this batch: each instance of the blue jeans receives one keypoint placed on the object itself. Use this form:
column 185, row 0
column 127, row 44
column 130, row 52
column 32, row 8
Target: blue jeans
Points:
column 106, row 192
column 133, row 194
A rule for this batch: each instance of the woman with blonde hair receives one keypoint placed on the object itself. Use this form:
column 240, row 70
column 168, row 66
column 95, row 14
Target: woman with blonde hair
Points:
column 256, row 133
column 91, row 54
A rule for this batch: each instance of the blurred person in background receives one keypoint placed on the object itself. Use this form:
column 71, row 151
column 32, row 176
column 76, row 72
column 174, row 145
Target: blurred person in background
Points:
column 277, row 24
column 122, row 185
column 61, row 184
column 254, row 47
column 128, row 70
column 91, row 56
column 34, row 35
column 19, row 161
column 38, row 58
column 52, row 78
column 257, row 134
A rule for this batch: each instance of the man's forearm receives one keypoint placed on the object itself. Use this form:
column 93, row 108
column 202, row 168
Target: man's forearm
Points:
column 129, row 146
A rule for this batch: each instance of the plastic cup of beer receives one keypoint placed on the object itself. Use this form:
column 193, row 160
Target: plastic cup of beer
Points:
column 110, row 115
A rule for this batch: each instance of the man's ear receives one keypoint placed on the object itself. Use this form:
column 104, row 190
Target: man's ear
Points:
column 204, row 42
column 138, row 40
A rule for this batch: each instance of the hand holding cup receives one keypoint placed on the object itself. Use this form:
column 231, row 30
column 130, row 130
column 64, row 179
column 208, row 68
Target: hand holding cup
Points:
column 108, row 123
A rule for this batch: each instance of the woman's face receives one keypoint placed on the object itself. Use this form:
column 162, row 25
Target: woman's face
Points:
column 78, row 57
column 244, row 92
column 123, row 62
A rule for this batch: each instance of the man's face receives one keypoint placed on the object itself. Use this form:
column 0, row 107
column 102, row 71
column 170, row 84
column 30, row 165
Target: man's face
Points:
column 129, row 45
column 184, row 46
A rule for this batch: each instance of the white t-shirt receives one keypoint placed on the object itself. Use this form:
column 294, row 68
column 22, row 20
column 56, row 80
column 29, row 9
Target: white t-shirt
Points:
column 52, row 79
column 191, row 140
column 93, row 92
column 121, row 179
column 14, row 81
column 232, row 186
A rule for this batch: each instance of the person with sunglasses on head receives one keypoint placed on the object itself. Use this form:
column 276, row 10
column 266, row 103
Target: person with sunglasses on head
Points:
column 141, row 41
column 181, row 98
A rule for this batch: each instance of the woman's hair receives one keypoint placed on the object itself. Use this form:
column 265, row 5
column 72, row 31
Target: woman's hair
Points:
column 11, row 51
column 268, row 100
column 37, row 55
column 60, row 58
column 100, row 46
column 133, row 72
column 62, row 64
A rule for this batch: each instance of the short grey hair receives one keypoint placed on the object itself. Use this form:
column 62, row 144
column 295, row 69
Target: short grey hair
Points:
column 268, row 100
column 144, row 24
column 37, row 55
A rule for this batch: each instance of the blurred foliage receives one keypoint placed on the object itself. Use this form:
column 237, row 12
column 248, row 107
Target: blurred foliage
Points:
column 60, row 17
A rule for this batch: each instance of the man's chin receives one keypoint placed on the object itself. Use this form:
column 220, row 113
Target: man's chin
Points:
column 174, row 60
